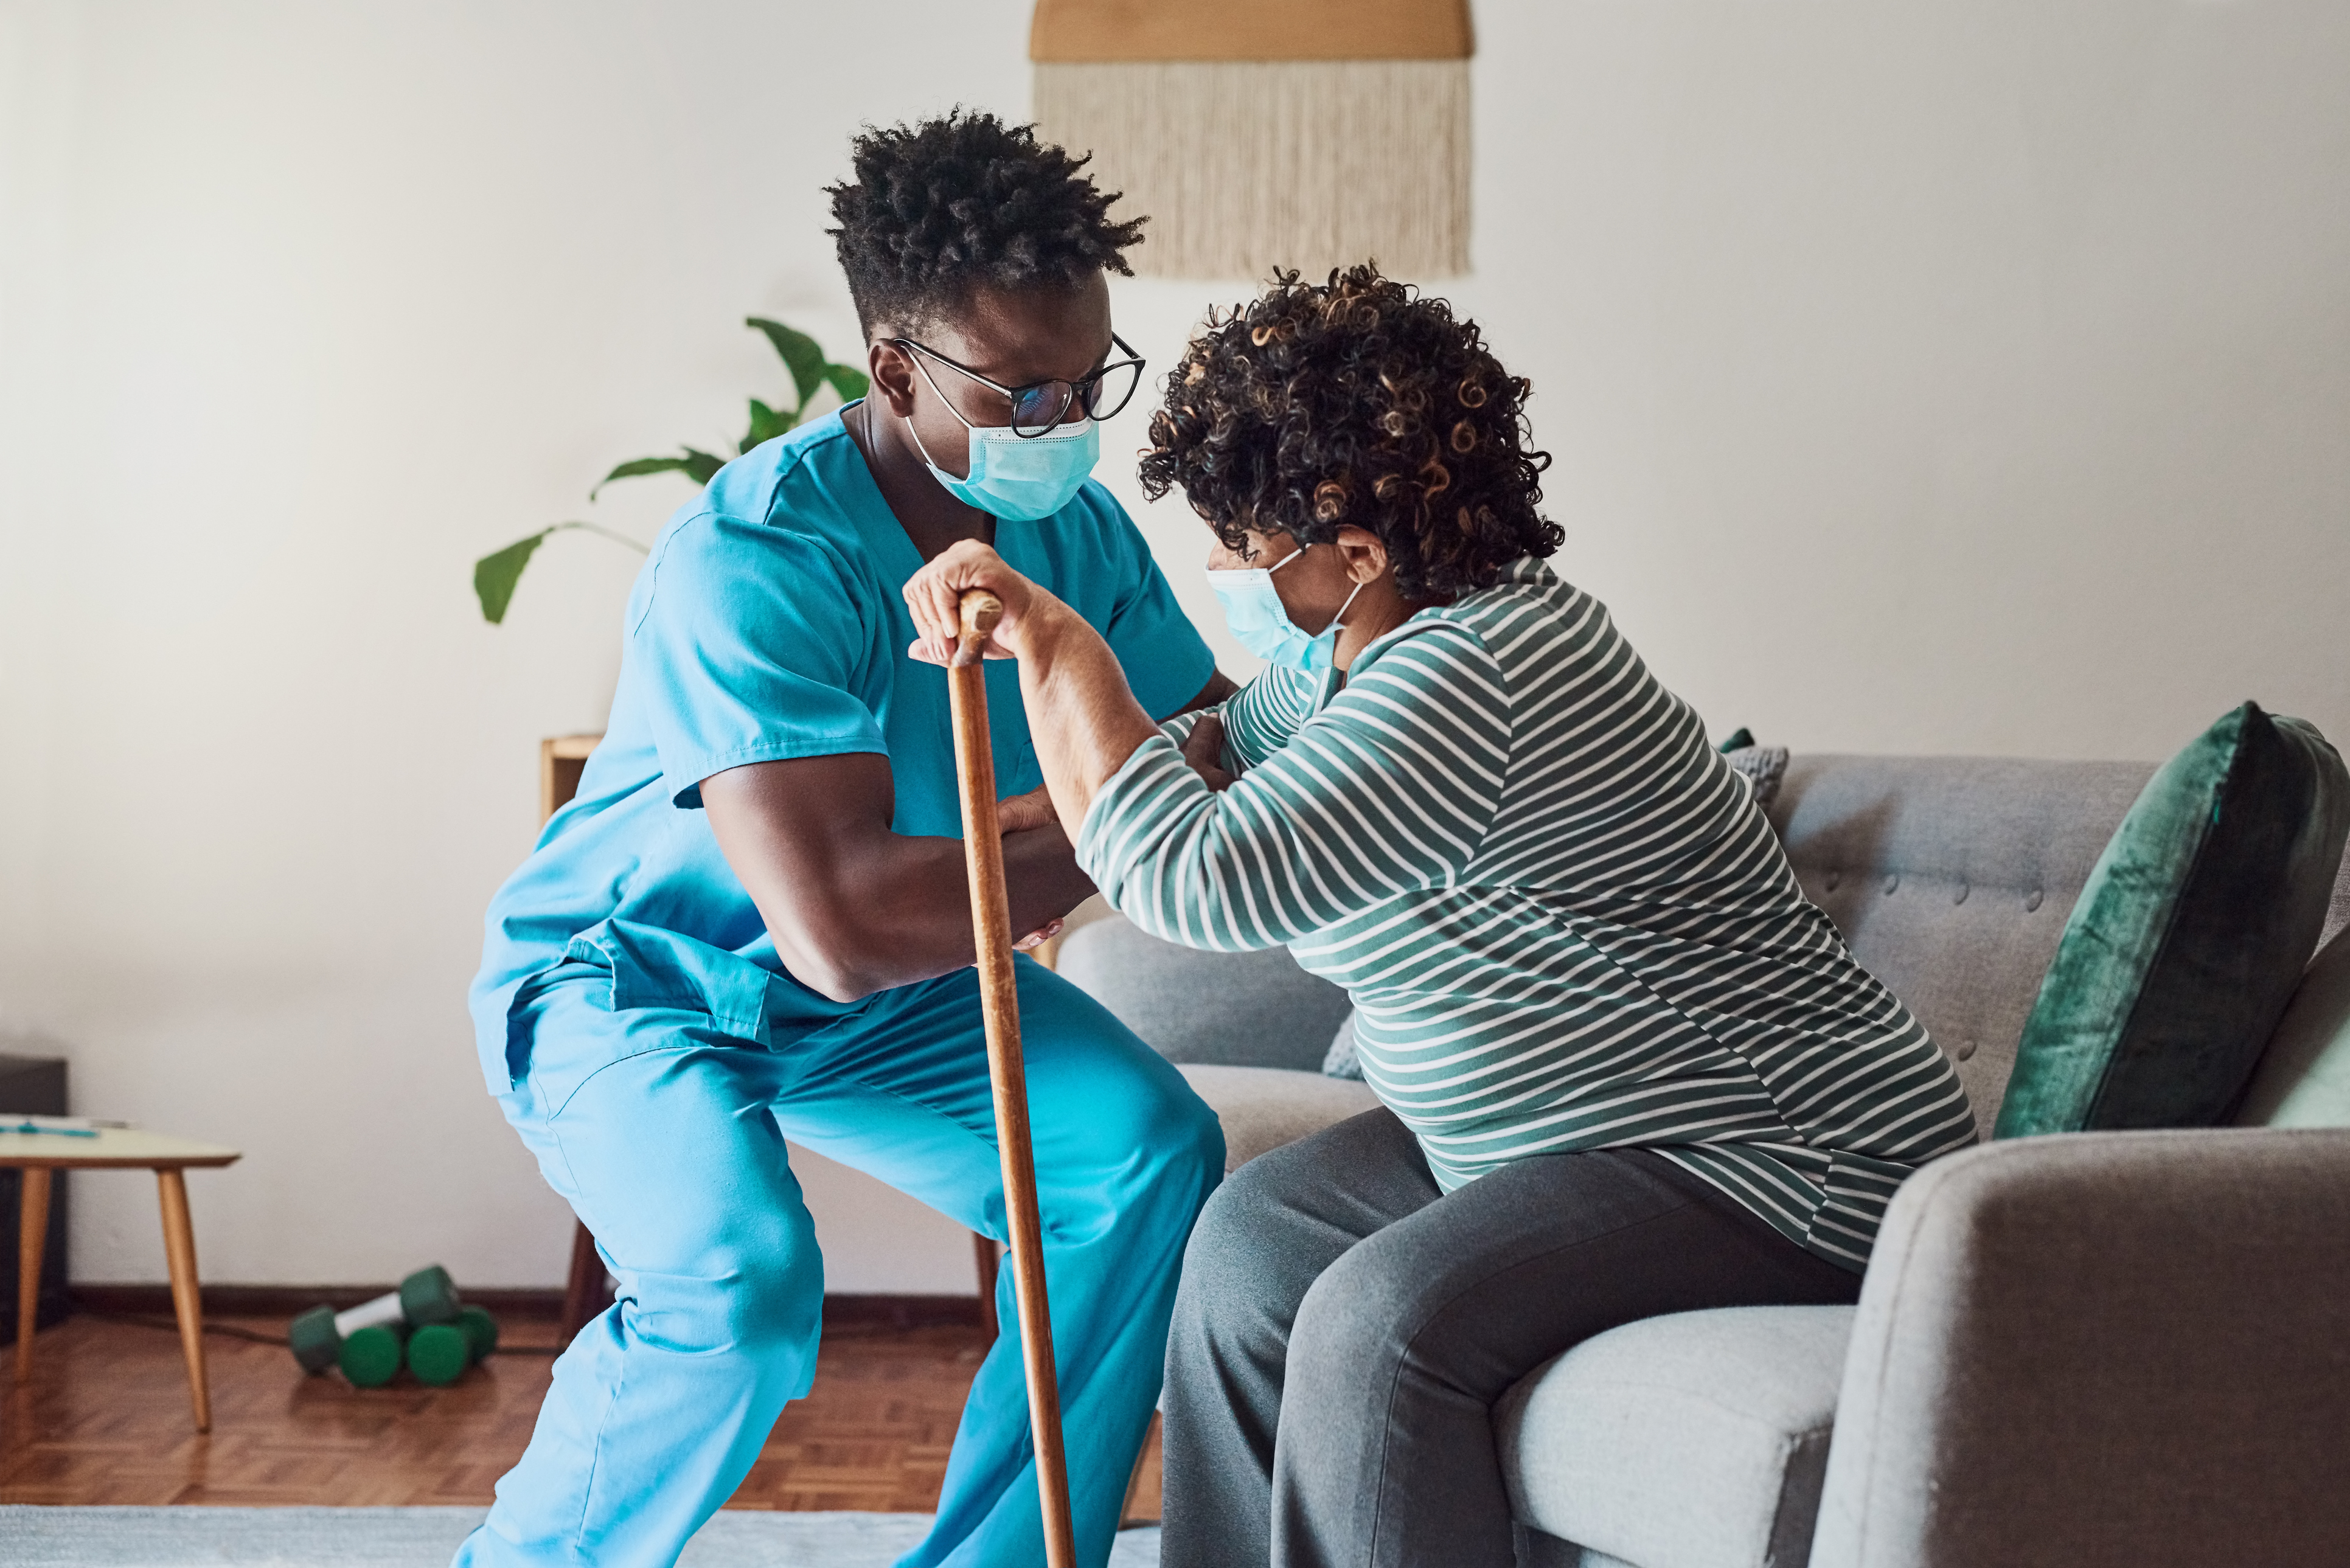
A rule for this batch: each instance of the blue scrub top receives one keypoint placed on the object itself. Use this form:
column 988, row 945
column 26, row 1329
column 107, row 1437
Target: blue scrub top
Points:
column 768, row 623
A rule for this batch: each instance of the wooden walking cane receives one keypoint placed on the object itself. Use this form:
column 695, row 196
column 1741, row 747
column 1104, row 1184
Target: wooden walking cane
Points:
column 991, row 920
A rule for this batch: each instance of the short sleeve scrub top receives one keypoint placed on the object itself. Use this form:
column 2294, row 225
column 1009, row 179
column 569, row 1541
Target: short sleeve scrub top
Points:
column 768, row 624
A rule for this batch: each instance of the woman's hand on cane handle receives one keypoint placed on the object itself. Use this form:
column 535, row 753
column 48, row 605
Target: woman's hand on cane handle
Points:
column 935, row 594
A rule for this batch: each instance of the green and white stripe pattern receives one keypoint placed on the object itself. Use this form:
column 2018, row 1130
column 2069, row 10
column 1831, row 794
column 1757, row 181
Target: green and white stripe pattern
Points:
column 1564, row 922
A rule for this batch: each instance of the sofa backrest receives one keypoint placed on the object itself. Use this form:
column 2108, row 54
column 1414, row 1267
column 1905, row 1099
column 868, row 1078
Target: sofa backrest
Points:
column 1233, row 1010
column 1950, row 878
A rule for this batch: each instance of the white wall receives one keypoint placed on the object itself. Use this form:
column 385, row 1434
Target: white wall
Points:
column 1959, row 377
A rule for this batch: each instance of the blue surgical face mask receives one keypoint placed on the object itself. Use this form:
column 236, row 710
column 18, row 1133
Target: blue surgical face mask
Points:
column 1022, row 478
column 1260, row 622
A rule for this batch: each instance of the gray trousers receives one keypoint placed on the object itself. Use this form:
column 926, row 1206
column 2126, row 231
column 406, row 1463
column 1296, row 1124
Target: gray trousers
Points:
column 1343, row 1331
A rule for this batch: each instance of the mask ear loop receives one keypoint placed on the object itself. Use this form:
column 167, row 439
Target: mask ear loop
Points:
column 1338, row 620
column 943, row 397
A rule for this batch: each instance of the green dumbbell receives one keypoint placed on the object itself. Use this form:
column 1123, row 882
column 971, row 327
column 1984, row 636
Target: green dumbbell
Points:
column 370, row 1356
column 322, row 1338
column 439, row 1352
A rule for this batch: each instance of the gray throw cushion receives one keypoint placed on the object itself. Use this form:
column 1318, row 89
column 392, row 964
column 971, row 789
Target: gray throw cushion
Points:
column 2303, row 1077
column 1341, row 1061
column 1249, row 1010
column 1696, row 1441
column 2337, row 913
column 1762, row 767
column 1262, row 1108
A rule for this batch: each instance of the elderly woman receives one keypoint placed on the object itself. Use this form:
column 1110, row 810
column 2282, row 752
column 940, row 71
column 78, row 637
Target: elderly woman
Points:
column 1626, row 1067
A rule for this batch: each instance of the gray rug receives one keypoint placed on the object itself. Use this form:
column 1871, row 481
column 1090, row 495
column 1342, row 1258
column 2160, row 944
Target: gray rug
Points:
column 426, row 1537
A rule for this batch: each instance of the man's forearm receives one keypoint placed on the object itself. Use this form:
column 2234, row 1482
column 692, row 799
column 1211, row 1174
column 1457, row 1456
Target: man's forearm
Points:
column 854, row 907
column 916, row 926
column 1040, row 872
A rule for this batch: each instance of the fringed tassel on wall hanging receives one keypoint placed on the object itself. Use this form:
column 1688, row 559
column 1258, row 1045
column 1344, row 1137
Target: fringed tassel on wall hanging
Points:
column 1264, row 133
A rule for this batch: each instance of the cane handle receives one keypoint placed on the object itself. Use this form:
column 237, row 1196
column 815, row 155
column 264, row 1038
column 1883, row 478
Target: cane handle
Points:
column 980, row 611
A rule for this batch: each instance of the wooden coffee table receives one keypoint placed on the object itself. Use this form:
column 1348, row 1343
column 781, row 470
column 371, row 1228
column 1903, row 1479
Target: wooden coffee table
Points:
column 115, row 1148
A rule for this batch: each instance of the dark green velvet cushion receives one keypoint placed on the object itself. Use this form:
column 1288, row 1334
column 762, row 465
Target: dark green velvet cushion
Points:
column 2189, row 937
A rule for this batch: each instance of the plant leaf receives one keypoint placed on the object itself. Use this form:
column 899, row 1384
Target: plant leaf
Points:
column 848, row 381
column 767, row 424
column 495, row 575
column 800, row 355
column 699, row 466
column 644, row 465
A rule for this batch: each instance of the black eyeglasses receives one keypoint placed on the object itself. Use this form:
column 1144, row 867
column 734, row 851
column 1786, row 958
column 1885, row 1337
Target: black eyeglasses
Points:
column 1039, row 406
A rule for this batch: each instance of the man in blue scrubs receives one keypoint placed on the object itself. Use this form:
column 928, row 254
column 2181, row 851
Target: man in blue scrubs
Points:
column 752, row 924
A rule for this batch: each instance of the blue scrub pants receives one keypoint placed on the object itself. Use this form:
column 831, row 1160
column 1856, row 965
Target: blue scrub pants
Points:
column 672, row 1153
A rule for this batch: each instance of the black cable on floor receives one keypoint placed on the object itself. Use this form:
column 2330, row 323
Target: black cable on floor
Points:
column 255, row 1336
column 141, row 1320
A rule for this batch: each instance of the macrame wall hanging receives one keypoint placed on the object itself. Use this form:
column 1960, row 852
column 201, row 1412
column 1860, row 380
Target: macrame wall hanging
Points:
column 1264, row 133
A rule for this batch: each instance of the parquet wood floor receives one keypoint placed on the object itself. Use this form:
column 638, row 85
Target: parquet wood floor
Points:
column 106, row 1421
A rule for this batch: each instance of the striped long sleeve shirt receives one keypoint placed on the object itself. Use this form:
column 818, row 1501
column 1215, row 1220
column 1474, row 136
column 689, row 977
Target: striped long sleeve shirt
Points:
column 1563, row 920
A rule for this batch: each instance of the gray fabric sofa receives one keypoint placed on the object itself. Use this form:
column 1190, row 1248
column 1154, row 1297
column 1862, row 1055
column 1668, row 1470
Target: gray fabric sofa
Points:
column 2107, row 1348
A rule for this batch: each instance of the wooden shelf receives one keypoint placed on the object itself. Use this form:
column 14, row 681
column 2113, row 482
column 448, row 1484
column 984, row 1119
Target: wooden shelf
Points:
column 560, row 759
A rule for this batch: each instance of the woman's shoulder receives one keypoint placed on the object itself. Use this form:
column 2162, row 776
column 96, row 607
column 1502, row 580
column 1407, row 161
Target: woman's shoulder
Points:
column 1434, row 637
column 1527, row 584
column 1532, row 614
column 1437, row 658
column 1531, row 607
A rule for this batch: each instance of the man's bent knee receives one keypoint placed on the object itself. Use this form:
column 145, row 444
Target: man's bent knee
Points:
column 1151, row 1159
column 740, row 1300
column 1194, row 1138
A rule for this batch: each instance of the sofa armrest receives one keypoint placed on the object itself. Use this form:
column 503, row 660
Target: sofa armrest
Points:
column 2102, row 1348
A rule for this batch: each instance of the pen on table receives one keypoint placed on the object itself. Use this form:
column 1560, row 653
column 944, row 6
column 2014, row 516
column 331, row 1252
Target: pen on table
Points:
column 59, row 1126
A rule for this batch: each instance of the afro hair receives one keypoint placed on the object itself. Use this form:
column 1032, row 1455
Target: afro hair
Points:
column 1359, row 402
column 940, row 208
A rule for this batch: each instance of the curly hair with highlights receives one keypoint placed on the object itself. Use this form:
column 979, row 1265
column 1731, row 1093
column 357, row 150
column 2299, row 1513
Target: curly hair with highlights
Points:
column 940, row 208
column 1359, row 402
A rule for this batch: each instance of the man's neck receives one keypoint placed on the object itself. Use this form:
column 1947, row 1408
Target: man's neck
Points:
column 931, row 517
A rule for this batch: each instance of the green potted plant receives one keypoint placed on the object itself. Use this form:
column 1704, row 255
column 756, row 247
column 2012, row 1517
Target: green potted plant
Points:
column 495, row 575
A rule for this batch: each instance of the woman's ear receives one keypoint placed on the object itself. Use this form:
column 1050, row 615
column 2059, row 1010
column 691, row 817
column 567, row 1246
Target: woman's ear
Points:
column 893, row 375
column 1362, row 553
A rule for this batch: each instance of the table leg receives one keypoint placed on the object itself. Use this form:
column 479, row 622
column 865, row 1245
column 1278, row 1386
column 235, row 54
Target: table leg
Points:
column 583, row 1291
column 1144, row 1504
column 31, row 1231
column 180, row 1251
column 984, row 1252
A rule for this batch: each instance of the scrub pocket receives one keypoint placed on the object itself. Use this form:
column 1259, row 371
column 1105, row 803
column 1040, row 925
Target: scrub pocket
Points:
column 648, row 989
